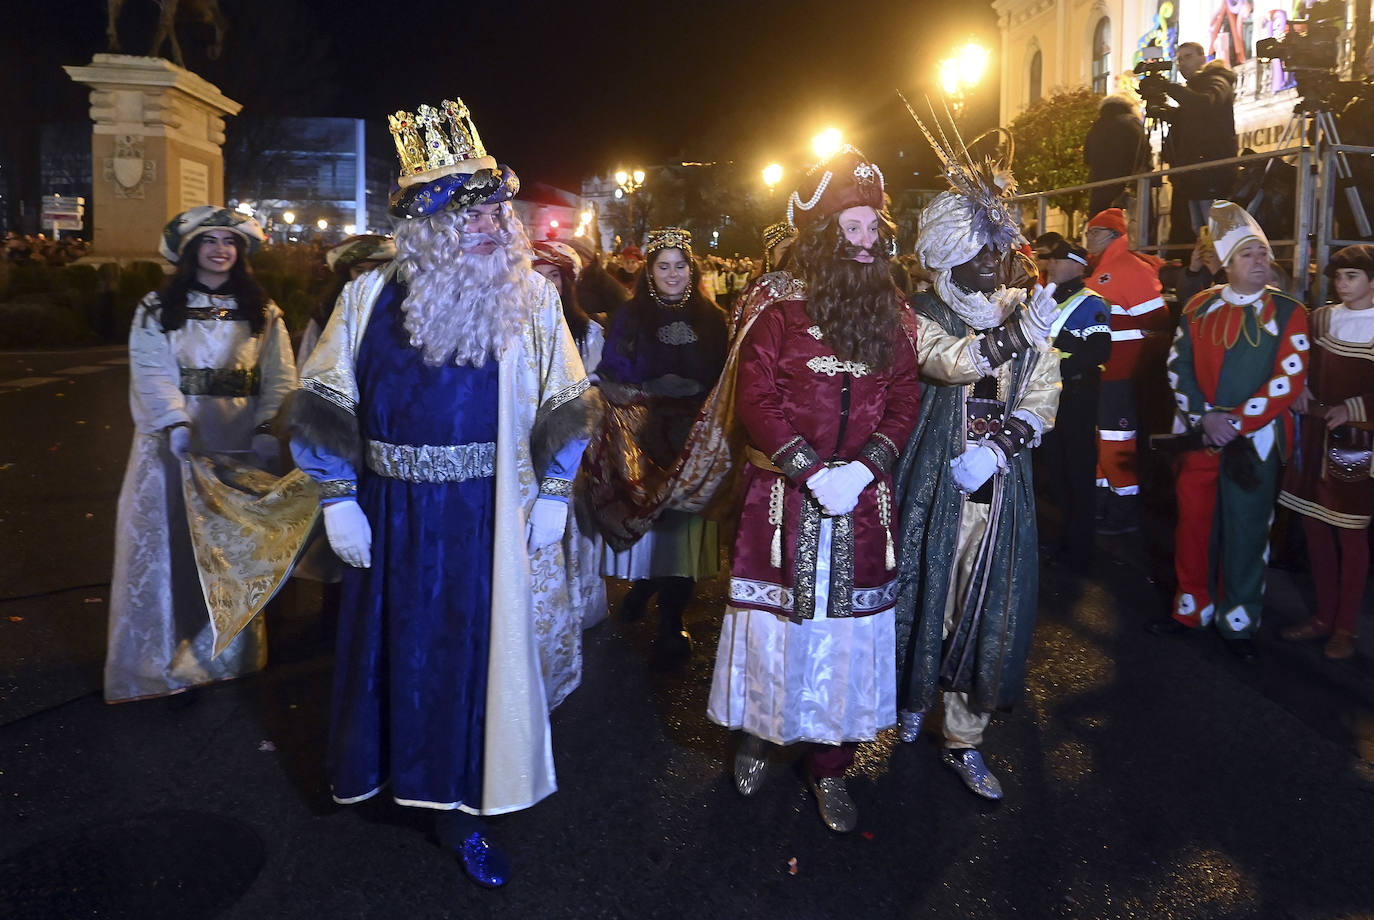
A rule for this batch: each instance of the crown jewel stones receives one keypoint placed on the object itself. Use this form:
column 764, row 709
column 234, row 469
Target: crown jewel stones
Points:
column 434, row 138
column 668, row 238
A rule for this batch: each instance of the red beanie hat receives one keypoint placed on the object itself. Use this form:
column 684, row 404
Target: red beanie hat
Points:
column 1111, row 219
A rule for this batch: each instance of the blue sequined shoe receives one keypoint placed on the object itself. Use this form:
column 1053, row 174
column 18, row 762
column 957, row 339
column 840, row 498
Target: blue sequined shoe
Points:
column 909, row 724
column 483, row 862
column 968, row 763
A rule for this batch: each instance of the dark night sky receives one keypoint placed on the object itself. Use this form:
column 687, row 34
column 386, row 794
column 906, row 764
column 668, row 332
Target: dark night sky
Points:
column 559, row 90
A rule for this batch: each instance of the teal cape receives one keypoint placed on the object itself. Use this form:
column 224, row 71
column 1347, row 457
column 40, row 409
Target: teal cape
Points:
column 985, row 655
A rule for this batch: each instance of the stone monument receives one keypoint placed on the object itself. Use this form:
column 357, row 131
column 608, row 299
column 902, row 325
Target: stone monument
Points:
column 156, row 149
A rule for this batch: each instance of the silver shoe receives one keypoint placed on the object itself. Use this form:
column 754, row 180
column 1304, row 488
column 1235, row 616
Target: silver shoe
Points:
column 909, row 724
column 751, row 764
column 968, row 763
column 838, row 810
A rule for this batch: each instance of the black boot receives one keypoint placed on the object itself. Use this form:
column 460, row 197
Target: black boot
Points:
column 637, row 601
column 674, row 643
column 1121, row 516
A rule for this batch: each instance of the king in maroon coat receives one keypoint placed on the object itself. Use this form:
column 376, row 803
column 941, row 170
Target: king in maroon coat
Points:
column 827, row 393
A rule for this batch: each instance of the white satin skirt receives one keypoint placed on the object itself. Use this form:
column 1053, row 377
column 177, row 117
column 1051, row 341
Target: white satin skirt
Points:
column 823, row 680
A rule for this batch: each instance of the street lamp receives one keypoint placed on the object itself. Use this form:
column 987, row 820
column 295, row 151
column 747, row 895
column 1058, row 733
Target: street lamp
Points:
column 827, row 143
column 772, row 175
column 960, row 74
column 288, row 217
column 322, row 224
column 627, row 183
column 350, row 229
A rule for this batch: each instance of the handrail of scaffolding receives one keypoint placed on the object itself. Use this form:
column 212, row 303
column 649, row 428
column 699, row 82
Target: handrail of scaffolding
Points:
column 1313, row 225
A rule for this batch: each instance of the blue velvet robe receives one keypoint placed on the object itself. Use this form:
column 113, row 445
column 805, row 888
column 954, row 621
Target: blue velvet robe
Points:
column 411, row 669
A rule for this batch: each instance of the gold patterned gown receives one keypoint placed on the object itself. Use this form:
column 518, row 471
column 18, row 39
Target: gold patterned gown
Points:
column 224, row 381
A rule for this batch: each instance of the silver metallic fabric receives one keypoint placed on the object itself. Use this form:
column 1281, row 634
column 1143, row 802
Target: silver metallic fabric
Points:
column 432, row 462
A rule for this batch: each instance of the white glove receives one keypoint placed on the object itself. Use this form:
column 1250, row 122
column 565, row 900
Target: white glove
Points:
column 267, row 450
column 349, row 533
column 974, row 467
column 548, row 519
column 1039, row 315
column 839, row 492
column 179, row 441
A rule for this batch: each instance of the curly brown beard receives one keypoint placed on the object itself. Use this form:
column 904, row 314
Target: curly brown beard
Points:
column 855, row 304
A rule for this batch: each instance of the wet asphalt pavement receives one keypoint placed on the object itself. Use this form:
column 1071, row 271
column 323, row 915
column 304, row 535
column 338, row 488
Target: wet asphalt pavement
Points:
column 1145, row 777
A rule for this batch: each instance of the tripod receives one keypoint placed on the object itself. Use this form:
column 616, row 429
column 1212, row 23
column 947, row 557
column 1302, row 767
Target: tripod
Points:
column 1314, row 119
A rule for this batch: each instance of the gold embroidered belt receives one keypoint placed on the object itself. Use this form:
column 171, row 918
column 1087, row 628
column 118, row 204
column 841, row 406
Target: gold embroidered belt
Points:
column 432, row 462
column 760, row 459
column 220, row 381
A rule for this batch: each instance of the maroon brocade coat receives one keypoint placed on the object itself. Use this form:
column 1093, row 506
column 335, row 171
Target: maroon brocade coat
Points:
column 803, row 408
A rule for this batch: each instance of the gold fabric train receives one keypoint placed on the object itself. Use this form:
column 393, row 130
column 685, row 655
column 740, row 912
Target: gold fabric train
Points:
column 248, row 528
column 626, row 491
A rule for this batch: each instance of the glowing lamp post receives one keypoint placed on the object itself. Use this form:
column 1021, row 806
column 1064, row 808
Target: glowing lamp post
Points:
column 772, row 175
column 827, row 143
column 961, row 73
column 627, row 183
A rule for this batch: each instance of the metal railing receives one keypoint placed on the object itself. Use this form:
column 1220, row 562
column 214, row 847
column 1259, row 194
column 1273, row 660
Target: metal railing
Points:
column 1314, row 209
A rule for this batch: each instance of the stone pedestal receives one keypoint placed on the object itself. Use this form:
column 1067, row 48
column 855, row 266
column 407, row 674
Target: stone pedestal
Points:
column 155, row 149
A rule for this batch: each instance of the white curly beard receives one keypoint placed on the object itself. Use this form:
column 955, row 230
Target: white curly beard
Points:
column 462, row 307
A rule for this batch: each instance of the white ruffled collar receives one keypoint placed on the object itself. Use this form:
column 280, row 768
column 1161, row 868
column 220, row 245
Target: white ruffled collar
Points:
column 1230, row 295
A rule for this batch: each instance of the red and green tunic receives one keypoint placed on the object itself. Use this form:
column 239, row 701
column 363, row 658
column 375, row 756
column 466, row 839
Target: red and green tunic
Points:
column 1248, row 358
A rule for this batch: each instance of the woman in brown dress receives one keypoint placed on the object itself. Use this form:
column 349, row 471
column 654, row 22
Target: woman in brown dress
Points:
column 1329, row 481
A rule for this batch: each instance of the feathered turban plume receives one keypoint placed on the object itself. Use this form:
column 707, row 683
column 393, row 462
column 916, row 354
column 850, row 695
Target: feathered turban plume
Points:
column 978, row 210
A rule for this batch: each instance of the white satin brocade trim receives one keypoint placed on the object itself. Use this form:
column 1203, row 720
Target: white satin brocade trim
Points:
column 746, row 592
column 432, row 462
column 566, row 395
column 829, row 365
column 678, row 333
column 825, row 681
column 312, row 385
column 563, row 488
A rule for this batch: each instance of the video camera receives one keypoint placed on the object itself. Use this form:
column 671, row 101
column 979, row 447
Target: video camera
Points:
column 1153, row 84
column 1312, row 54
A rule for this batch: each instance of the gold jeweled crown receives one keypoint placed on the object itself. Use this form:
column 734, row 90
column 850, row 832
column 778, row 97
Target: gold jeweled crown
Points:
column 437, row 142
column 668, row 238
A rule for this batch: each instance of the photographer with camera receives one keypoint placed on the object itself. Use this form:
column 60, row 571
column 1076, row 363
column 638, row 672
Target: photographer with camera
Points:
column 1202, row 127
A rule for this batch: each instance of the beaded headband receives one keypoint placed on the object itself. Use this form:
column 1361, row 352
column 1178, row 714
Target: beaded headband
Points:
column 668, row 238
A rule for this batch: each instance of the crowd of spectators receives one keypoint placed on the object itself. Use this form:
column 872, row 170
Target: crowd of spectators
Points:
column 39, row 248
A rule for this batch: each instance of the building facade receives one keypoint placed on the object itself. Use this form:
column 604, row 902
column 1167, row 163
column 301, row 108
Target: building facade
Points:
column 1048, row 45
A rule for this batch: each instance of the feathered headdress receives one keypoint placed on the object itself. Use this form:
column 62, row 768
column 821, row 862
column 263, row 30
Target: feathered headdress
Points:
column 953, row 231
